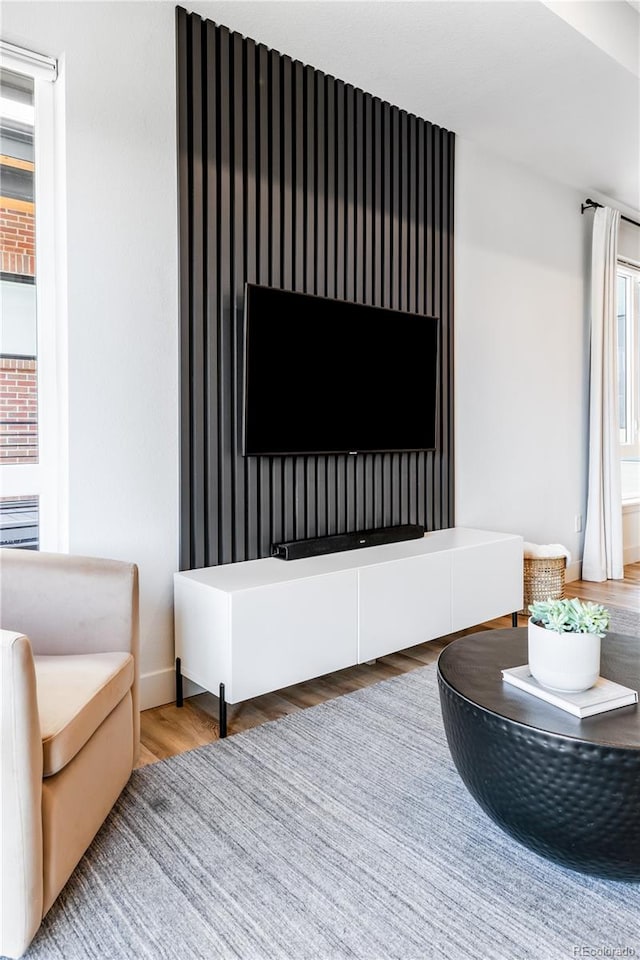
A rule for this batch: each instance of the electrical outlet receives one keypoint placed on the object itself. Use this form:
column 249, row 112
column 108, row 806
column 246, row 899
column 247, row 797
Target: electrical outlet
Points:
column 578, row 523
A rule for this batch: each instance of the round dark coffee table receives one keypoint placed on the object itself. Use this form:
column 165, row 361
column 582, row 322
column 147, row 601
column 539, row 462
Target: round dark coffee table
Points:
column 567, row 788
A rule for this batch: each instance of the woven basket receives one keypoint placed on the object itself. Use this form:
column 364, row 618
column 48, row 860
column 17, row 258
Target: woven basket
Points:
column 543, row 579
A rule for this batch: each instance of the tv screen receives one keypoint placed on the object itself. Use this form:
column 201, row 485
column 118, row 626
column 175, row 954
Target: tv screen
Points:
column 329, row 376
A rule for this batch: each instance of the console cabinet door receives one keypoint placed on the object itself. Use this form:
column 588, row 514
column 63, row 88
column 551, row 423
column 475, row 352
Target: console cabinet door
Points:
column 486, row 582
column 403, row 603
column 289, row 632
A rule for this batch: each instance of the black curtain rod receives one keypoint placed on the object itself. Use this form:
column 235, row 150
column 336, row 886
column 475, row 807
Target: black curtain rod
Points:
column 592, row 204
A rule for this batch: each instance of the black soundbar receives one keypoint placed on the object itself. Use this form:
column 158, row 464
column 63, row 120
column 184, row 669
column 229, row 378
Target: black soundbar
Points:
column 316, row 546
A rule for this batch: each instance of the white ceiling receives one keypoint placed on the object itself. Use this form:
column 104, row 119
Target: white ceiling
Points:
column 514, row 76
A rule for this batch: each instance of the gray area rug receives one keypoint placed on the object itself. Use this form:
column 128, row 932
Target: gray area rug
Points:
column 623, row 621
column 342, row 831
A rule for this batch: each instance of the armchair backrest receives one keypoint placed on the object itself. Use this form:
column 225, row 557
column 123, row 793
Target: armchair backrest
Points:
column 59, row 601
column 68, row 604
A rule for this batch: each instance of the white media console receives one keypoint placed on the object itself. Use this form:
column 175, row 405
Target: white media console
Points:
column 261, row 625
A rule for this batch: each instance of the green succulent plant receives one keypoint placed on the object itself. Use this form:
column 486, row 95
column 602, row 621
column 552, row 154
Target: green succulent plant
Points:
column 570, row 616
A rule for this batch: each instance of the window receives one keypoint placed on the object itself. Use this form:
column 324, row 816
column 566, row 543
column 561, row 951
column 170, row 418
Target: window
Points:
column 30, row 395
column 628, row 310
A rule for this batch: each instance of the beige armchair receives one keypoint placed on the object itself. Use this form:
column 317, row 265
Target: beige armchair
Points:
column 69, row 723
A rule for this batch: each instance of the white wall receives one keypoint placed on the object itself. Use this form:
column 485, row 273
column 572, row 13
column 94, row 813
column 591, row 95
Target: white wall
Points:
column 118, row 81
column 629, row 240
column 521, row 351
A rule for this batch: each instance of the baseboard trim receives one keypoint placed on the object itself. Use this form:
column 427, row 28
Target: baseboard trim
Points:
column 573, row 571
column 631, row 554
column 159, row 687
column 631, row 521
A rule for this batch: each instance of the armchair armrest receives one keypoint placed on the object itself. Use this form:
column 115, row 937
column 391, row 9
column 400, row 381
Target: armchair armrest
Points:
column 21, row 879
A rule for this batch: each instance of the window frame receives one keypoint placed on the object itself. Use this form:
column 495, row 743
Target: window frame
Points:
column 630, row 446
column 48, row 479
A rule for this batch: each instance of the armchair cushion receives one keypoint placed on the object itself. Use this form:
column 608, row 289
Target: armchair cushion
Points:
column 75, row 694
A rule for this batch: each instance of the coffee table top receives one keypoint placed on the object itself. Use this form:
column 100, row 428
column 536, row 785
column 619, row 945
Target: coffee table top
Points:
column 472, row 667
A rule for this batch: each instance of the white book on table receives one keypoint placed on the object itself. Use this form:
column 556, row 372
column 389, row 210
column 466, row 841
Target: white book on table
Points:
column 603, row 696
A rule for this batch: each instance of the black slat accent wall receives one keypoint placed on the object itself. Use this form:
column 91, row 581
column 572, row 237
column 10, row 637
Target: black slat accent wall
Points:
column 291, row 178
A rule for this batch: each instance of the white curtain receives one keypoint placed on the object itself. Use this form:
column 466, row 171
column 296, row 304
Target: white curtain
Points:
column 603, row 552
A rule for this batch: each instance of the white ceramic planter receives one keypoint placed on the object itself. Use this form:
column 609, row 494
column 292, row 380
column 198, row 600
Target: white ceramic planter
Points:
column 566, row 662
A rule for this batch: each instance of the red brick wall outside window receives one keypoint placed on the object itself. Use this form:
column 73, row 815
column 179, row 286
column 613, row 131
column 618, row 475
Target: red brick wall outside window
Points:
column 18, row 411
column 18, row 376
column 17, row 241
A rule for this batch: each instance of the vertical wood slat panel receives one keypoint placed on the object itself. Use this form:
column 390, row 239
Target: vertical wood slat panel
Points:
column 212, row 301
column 429, row 195
column 340, row 198
column 437, row 288
column 332, row 496
column 395, row 255
column 444, row 307
column 239, row 227
column 330, row 189
column 349, row 275
column 321, row 496
column 263, row 263
column 450, row 327
column 377, row 252
column 273, row 124
column 412, row 233
column 310, row 184
column 419, row 200
column 386, row 251
column 299, row 242
column 299, row 176
column 223, row 295
column 197, row 367
column 290, row 178
column 367, row 252
column 350, row 200
column 387, row 502
column 404, row 259
column 360, row 182
column 183, row 57
column 309, row 191
column 250, row 185
column 288, row 262
column 320, row 195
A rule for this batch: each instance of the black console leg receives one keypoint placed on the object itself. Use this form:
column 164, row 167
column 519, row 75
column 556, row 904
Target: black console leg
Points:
column 223, row 713
column 514, row 619
column 179, row 698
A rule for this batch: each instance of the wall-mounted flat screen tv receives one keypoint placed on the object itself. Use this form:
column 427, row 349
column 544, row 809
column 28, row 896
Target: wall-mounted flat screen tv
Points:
column 329, row 376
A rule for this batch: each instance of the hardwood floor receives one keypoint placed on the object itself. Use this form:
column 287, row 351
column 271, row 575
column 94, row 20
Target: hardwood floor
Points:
column 167, row 730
